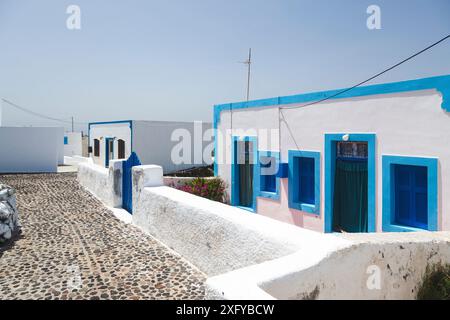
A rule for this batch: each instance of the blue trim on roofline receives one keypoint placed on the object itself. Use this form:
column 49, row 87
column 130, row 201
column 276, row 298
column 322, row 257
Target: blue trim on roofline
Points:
column 389, row 224
column 440, row 83
column 130, row 122
column 330, row 156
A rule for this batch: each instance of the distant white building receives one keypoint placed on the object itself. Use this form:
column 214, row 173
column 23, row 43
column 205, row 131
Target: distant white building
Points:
column 31, row 149
column 155, row 142
column 73, row 144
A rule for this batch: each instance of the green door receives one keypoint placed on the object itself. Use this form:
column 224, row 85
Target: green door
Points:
column 350, row 210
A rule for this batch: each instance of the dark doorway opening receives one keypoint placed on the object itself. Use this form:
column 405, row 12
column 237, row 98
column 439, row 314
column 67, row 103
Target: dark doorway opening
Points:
column 245, row 173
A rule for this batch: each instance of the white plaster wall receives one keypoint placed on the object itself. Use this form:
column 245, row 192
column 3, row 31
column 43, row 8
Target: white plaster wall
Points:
column 152, row 142
column 400, row 258
column 73, row 147
column 215, row 237
column 406, row 124
column 111, row 130
column 104, row 183
column 60, row 145
column 248, row 256
column 30, row 149
column 76, row 160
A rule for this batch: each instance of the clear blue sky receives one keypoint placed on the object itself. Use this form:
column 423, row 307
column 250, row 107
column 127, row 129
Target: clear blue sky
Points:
column 173, row 60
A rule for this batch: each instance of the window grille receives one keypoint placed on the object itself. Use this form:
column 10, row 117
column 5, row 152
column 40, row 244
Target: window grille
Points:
column 357, row 150
column 245, row 152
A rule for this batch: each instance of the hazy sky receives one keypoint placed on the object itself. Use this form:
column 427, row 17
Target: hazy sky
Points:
column 173, row 60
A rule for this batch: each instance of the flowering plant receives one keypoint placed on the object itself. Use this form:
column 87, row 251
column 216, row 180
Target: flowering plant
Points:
column 213, row 189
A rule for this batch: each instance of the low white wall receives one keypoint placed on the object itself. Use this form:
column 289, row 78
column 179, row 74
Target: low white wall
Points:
column 104, row 183
column 76, row 160
column 249, row 256
column 400, row 260
column 30, row 149
column 215, row 237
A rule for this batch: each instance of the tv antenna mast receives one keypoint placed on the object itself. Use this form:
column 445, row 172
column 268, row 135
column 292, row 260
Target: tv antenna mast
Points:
column 248, row 62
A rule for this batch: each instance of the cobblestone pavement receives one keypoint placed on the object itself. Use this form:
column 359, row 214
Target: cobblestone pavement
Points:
column 69, row 238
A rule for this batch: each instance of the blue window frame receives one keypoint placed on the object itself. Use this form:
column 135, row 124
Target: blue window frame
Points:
column 409, row 194
column 66, row 140
column 304, row 181
column 269, row 182
column 331, row 140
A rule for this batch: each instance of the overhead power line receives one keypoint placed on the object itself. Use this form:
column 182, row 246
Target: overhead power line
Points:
column 40, row 115
column 280, row 109
column 373, row 77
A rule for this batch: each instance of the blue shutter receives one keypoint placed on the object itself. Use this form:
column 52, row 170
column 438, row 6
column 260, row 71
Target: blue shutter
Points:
column 411, row 196
column 306, row 176
column 268, row 182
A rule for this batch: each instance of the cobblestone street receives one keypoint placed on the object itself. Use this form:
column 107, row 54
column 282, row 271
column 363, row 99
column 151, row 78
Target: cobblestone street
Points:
column 72, row 247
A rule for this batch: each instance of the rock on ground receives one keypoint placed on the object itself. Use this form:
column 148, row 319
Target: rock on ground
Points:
column 9, row 217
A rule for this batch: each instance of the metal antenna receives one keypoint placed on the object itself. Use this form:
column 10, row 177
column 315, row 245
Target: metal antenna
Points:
column 249, row 64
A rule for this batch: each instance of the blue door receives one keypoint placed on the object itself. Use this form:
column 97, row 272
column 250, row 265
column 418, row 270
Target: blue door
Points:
column 127, row 187
column 109, row 150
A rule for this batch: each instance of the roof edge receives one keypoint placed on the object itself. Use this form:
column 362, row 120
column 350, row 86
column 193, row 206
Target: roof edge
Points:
column 440, row 83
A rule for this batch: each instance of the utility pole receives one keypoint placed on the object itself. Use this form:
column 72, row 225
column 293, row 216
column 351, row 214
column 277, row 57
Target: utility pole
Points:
column 249, row 64
column 72, row 123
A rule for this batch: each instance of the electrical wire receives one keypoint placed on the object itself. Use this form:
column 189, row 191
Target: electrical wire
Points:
column 40, row 115
column 373, row 77
column 280, row 109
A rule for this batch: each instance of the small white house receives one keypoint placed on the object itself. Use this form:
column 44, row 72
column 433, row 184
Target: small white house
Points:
column 369, row 159
column 172, row 145
column 31, row 149
column 73, row 144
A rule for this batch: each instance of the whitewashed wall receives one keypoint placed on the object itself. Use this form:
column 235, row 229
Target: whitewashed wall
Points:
column 30, row 149
column 73, row 146
column 215, row 237
column 110, row 130
column 405, row 124
column 248, row 256
column 370, row 266
column 60, row 145
column 104, row 183
column 152, row 141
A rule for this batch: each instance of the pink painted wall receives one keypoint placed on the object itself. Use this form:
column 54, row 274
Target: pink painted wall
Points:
column 279, row 210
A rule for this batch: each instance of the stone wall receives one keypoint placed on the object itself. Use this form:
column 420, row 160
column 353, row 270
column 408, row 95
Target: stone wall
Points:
column 9, row 218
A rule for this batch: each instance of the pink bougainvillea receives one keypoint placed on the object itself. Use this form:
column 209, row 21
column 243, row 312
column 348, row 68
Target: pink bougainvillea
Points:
column 213, row 189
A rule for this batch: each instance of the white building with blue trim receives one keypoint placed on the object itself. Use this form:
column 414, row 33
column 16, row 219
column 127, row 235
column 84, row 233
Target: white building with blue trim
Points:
column 172, row 145
column 371, row 159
